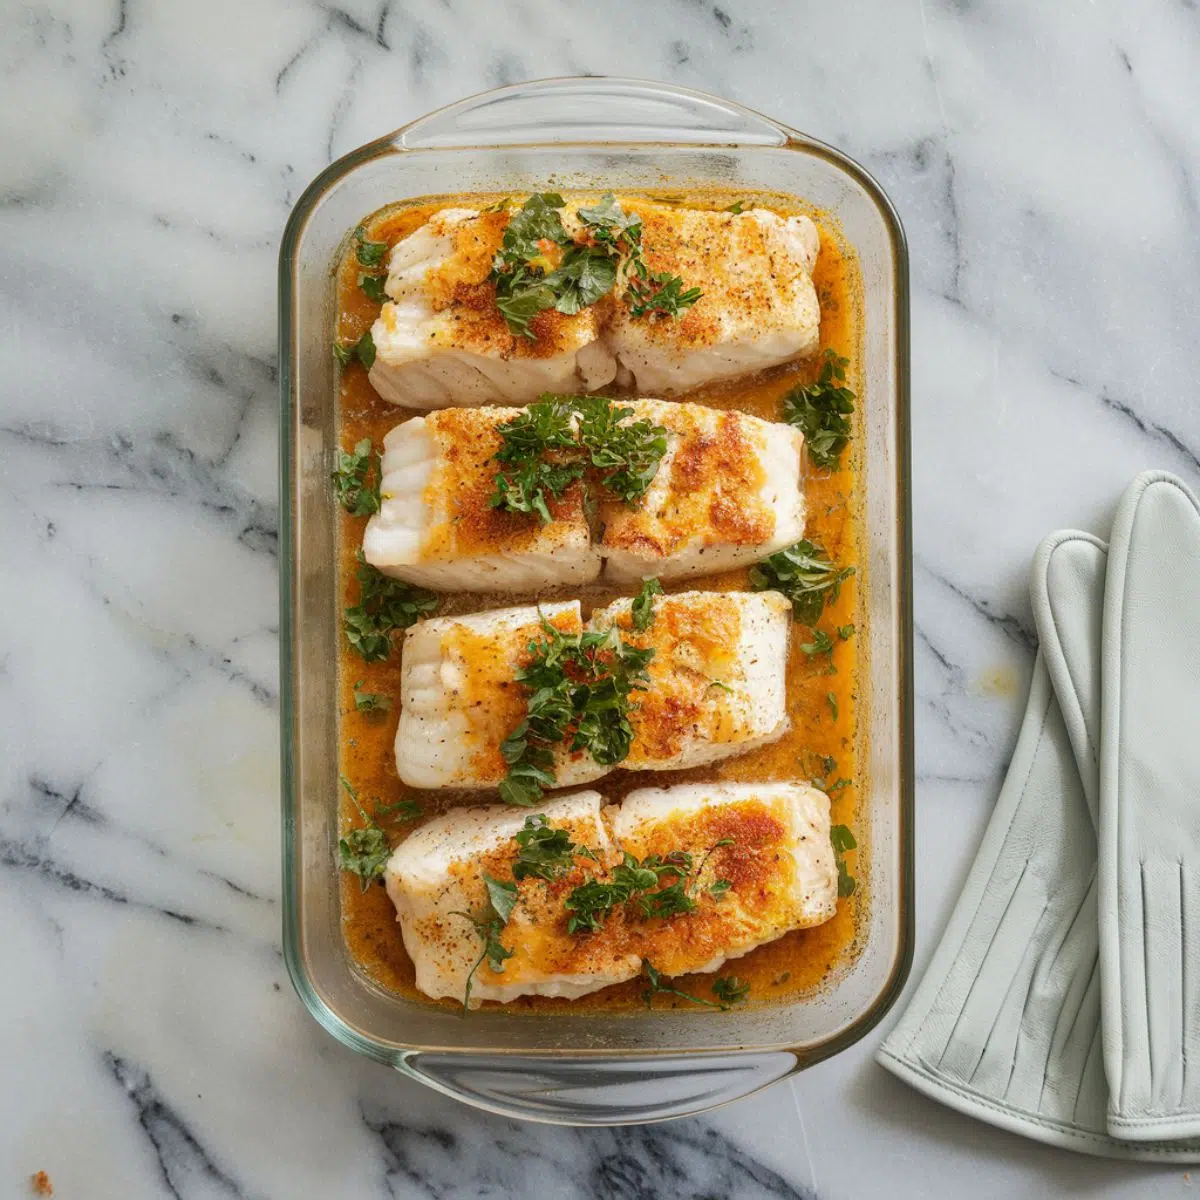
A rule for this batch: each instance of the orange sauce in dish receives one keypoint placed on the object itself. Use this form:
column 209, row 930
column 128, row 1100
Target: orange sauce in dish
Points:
column 828, row 736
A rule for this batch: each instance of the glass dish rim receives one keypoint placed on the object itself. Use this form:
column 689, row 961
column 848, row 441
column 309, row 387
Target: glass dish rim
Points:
column 392, row 144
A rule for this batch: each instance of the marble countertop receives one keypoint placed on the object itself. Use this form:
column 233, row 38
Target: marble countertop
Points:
column 1046, row 162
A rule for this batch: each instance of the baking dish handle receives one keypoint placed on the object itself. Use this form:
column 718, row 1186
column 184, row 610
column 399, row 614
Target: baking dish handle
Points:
column 590, row 109
column 598, row 1091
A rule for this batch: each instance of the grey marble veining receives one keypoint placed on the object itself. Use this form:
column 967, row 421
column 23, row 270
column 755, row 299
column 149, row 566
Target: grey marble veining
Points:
column 1046, row 162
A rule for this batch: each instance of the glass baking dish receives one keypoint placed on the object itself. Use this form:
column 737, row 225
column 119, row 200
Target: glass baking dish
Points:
column 591, row 1068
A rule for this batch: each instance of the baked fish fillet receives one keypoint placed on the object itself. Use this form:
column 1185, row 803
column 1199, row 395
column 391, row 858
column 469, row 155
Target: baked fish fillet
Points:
column 718, row 678
column 436, row 528
column 779, row 867
column 758, row 308
column 727, row 492
column 441, row 341
column 436, row 874
column 459, row 700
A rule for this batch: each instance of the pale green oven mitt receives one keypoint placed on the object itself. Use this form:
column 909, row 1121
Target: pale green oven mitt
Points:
column 1149, row 870
column 1005, row 1026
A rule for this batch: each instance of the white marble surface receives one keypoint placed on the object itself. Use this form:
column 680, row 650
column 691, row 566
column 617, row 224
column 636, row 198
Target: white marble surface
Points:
column 1046, row 162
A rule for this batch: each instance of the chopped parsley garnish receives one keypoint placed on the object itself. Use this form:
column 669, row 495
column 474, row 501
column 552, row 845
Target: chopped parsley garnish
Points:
column 805, row 575
column 826, row 764
column 384, row 604
column 843, row 840
column 489, row 925
column 642, row 610
column 520, row 267
column 648, row 293
column 610, row 225
column 405, row 810
column 363, row 350
column 536, row 221
column 831, row 699
column 370, row 701
column 591, row 902
column 579, row 695
column 528, row 279
column 356, row 495
column 845, row 632
column 821, row 411
column 659, row 293
column 558, row 439
column 642, row 884
column 586, row 274
column 728, row 989
column 368, row 253
column 735, row 208
column 528, row 479
column 545, row 852
column 372, row 286
column 364, row 851
column 520, row 304
column 654, row 979
column 626, row 453
column 668, row 902
column 821, row 643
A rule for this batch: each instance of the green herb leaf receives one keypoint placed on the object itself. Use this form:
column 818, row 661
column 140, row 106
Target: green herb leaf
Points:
column 369, row 254
column 503, row 896
column 805, row 575
column 635, row 882
column 370, row 701
column 735, row 208
column 363, row 350
column 730, row 990
column 364, row 851
column 843, row 840
column 845, row 632
column 522, row 289
column 833, row 705
column 356, row 495
column 535, row 221
column 654, row 979
column 403, row 810
column 585, row 275
column 821, row 643
column 384, row 605
column 642, row 610
column 590, row 903
column 519, row 306
column 671, row 901
column 626, row 453
column 545, row 852
column 660, row 294
column 647, row 293
column 372, row 287
column 610, row 225
column 550, row 445
column 489, row 925
column 719, row 888
column 821, row 411
column 579, row 688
